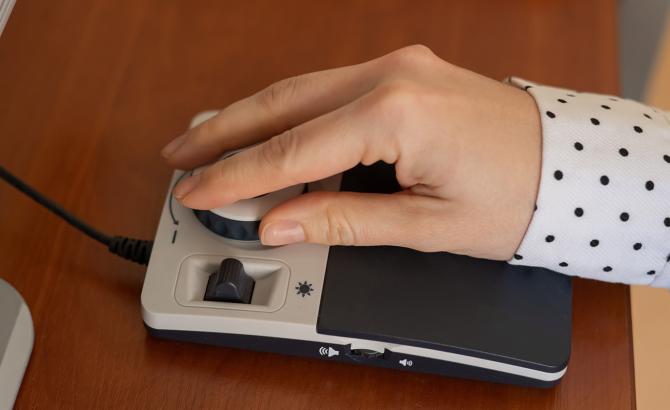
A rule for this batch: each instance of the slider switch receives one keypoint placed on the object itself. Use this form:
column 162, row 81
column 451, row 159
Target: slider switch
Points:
column 230, row 283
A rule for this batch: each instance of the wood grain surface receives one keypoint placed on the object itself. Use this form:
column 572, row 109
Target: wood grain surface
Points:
column 91, row 90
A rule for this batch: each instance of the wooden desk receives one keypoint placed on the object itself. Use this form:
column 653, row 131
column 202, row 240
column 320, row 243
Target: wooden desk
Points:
column 91, row 90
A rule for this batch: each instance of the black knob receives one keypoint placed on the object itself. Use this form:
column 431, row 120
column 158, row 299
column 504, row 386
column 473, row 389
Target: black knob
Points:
column 228, row 228
column 230, row 283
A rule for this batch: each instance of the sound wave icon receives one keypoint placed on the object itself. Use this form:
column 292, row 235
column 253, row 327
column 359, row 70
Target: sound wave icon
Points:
column 328, row 351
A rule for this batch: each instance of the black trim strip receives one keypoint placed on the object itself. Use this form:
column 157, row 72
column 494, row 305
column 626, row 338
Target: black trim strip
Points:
column 171, row 198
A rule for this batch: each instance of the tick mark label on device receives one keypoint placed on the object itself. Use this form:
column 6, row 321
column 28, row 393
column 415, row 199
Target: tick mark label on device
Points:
column 328, row 351
column 174, row 220
column 406, row 362
column 304, row 288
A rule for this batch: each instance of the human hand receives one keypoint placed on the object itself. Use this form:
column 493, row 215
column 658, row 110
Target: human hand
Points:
column 466, row 149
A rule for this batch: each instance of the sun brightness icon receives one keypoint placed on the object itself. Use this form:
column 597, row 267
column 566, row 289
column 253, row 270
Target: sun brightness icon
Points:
column 303, row 289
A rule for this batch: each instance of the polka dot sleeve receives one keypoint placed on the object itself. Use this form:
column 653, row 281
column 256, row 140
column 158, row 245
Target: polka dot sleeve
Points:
column 603, row 206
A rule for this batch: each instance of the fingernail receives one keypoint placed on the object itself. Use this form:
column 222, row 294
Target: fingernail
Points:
column 282, row 233
column 173, row 146
column 186, row 185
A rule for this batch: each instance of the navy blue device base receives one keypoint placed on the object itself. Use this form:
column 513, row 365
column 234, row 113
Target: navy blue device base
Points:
column 389, row 360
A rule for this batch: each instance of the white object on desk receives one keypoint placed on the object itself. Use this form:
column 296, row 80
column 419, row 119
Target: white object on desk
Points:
column 5, row 10
column 16, row 343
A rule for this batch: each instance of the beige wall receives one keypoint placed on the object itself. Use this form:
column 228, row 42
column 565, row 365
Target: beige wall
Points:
column 658, row 87
column 651, row 307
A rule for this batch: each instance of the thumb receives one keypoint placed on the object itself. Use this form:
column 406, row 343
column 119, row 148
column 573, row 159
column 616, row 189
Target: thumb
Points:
column 349, row 218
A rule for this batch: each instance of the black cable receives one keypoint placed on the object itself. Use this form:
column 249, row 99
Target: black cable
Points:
column 54, row 207
column 136, row 250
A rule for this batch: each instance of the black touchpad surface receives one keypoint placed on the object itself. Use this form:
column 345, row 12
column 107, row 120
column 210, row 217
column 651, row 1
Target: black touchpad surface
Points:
column 479, row 308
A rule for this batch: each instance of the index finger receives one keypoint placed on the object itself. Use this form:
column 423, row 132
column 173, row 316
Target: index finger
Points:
column 312, row 151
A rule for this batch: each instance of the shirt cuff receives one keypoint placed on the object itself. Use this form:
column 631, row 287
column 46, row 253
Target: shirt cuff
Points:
column 603, row 205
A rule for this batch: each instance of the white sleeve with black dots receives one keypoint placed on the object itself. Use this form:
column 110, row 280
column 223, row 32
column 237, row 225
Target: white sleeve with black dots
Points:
column 603, row 206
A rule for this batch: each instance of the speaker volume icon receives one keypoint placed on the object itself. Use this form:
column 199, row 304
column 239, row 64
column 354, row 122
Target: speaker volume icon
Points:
column 406, row 363
column 328, row 351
